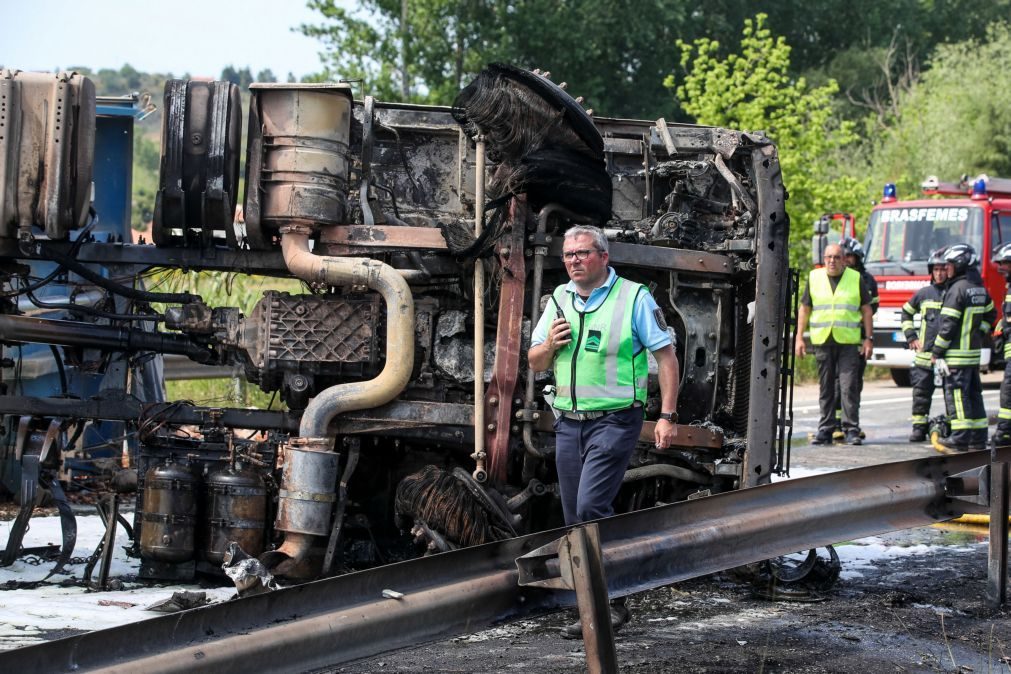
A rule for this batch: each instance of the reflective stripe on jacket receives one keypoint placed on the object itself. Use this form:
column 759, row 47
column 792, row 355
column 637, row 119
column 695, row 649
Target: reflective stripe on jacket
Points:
column 966, row 318
column 598, row 370
column 835, row 313
column 927, row 303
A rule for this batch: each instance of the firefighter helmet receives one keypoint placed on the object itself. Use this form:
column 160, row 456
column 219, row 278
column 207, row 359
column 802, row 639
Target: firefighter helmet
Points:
column 1002, row 253
column 961, row 255
column 936, row 258
column 853, row 247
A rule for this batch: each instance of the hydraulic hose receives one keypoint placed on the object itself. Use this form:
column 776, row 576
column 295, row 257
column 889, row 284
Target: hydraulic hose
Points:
column 130, row 293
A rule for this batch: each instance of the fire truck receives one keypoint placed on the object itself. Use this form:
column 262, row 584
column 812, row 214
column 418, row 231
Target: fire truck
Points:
column 900, row 236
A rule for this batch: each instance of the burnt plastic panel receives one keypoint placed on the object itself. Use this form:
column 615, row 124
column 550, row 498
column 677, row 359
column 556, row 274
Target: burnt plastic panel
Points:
column 199, row 177
column 47, row 142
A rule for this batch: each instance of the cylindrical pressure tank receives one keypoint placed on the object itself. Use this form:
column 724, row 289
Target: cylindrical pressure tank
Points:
column 308, row 490
column 236, row 510
column 170, row 512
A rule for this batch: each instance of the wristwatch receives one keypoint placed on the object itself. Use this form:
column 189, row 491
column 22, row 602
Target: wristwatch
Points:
column 670, row 416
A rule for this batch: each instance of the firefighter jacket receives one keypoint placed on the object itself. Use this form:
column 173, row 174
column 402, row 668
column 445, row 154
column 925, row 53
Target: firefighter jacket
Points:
column 835, row 313
column 927, row 303
column 872, row 286
column 1004, row 326
column 966, row 316
column 598, row 370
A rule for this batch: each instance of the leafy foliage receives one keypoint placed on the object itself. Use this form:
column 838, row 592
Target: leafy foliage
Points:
column 755, row 91
column 417, row 51
column 955, row 120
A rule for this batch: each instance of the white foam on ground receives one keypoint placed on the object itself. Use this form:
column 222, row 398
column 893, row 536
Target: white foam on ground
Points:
column 26, row 614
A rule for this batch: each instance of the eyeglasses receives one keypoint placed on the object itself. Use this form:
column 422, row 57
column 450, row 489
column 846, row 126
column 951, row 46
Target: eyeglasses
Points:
column 579, row 255
column 833, row 257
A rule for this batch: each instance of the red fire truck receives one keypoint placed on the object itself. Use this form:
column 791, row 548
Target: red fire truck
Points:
column 900, row 237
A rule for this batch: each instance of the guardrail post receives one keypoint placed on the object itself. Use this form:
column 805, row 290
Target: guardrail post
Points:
column 575, row 562
column 587, row 572
column 996, row 580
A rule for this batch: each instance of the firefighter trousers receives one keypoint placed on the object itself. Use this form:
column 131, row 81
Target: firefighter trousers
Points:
column 963, row 398
column 1003, row 432
column 922, row 379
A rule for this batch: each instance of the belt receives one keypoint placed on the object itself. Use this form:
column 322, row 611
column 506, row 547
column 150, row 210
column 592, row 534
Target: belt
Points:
column 587, row 416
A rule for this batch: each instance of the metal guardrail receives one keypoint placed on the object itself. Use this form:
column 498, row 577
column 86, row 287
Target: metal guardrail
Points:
column 346, row 618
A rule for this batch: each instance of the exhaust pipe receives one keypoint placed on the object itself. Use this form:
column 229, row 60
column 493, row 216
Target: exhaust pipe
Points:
column 387, row 385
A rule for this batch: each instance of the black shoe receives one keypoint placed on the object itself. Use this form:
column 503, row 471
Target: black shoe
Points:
column 619, row 616
column 1002, row 439
column 823, row 438
column 853, row 438
column 919, row 434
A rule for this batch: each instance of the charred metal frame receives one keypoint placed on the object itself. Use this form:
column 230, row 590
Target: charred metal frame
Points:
column 350, row 617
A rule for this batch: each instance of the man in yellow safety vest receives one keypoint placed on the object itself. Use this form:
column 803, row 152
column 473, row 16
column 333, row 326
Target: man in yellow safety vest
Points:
column 837, row 303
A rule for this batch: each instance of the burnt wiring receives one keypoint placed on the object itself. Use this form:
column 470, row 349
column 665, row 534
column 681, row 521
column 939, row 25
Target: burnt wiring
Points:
column 155, row 417
column 74, row 249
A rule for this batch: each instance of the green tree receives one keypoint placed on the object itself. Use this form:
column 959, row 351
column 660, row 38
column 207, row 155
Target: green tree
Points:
column 754, row 90
column 955, row 120
column 611, row 52
column 243, row 78
column 417, row 50
column 146, row 163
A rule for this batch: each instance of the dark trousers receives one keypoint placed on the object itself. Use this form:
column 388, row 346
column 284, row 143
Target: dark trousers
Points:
column 1004, row 415
column 838, row 393
column 922, row 379
column 840, row 362
column 591, row 458
column 963, row 398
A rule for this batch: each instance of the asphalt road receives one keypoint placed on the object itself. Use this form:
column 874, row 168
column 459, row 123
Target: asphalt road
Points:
column 916, row 608
column 885, row 411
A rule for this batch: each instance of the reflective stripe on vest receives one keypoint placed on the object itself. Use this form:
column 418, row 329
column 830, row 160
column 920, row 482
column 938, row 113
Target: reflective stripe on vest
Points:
column 835, row 313
column 597, row 370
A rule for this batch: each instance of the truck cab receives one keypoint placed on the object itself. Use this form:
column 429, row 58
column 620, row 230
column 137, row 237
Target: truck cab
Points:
column 900, row 236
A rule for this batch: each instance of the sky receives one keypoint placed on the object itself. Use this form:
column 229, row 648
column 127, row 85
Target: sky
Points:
column 177, row 36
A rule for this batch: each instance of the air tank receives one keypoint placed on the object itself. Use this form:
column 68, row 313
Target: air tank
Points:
column 170, row 512
column 236, row 510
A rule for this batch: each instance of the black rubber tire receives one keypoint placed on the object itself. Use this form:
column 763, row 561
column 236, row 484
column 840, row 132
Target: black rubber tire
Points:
column 901, row 377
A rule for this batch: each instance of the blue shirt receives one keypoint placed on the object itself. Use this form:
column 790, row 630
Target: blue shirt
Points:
column 646, row 331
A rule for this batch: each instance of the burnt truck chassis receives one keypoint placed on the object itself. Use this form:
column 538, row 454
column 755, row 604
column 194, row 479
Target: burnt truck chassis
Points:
column 697, row 215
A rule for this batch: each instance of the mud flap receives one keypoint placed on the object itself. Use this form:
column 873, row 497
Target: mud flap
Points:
column 29, row 490
column 68, row 523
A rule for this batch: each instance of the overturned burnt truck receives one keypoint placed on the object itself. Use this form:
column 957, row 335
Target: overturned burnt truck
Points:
column 428, row 240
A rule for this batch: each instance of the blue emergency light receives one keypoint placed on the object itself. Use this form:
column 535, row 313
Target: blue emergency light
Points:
column 979, row 189
column 890, row 193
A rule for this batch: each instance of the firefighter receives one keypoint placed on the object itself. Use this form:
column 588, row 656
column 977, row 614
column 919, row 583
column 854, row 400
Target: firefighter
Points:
column 927, row 303
column 1002, row 435
column 966, row 316
column 838, row 304
column 853, row 257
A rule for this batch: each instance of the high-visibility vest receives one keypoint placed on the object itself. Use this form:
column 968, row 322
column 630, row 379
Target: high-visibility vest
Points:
column 598, row 370
column 835, row 313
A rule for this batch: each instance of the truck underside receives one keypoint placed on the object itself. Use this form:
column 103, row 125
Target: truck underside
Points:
column 427, row 239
